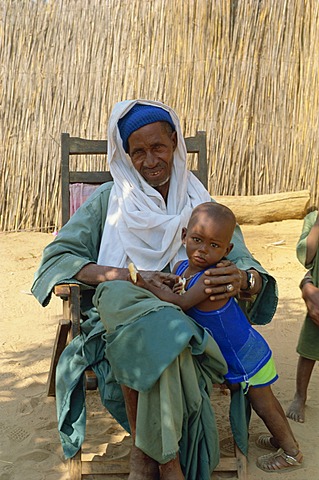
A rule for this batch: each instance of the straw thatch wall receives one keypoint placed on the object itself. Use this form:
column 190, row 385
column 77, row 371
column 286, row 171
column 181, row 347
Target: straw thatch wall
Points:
column 244, row 70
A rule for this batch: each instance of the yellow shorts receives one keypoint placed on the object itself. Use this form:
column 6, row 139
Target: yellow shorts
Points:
column 266, row 376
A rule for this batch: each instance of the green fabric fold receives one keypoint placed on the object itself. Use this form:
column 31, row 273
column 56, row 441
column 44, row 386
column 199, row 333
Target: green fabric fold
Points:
column 175, row 365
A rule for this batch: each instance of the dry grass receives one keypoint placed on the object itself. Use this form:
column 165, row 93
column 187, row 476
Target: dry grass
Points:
column 244, row 71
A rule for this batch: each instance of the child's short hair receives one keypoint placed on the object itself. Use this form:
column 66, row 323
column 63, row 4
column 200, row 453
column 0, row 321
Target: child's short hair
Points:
column 215, row 210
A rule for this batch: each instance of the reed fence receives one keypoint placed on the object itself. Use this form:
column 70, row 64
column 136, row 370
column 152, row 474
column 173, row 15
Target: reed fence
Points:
column 245, row 71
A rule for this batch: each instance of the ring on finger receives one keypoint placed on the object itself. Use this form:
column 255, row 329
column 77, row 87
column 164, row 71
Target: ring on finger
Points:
column 229, row 288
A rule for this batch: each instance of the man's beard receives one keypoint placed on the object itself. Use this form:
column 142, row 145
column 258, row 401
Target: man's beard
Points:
column 162, row 183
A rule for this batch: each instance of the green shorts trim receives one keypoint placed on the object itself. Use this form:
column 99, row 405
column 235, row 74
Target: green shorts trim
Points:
column 266, row 376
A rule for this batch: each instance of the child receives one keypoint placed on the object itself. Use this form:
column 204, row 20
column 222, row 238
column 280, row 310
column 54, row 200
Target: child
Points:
column 207, row 239
column 308, row 344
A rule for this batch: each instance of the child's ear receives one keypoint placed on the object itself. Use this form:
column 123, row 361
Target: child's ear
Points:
column 184, row 232
column 229, row 249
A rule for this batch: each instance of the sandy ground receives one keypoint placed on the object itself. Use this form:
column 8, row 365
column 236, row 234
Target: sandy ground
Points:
column 29, row 443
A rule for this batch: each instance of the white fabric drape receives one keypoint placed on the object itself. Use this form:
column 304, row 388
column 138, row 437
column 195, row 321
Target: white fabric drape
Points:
column 140, row 227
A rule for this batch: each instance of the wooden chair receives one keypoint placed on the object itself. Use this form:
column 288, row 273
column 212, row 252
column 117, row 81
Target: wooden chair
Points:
column 69, row 325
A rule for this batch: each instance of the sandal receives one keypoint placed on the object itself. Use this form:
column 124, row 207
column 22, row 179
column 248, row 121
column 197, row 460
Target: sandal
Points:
column 263, row 441
column 279, row 462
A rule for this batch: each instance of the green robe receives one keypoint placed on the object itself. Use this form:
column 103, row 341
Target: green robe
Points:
column 76, row 245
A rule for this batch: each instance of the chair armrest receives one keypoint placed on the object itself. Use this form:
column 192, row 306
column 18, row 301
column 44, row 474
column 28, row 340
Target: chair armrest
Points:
column 71, row 295
column 64, row 289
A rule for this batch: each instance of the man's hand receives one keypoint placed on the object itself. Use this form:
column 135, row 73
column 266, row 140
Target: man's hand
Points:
column 155, row 282
column 160, row 279
column 310, row 294
column 224, row 281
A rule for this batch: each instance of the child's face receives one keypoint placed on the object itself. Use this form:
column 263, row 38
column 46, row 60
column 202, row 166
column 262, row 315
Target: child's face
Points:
column 207, row 241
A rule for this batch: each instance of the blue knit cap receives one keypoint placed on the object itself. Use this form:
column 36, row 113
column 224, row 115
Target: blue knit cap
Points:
column 139, row 116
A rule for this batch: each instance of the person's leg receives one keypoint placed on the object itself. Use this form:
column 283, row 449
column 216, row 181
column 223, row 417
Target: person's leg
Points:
column 296, row 410
column 143, row 467
column 270, row 411
column 172, row 470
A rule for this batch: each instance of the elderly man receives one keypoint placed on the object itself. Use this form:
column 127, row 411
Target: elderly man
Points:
column 155, row 366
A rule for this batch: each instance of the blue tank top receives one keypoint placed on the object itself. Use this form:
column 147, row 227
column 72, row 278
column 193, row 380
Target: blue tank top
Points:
column 243, row 348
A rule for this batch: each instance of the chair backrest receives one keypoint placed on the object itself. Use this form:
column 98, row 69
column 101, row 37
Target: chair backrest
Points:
column 81, row 146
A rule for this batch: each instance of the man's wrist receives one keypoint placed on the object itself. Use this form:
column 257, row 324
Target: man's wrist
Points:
column 250, row 281
column 306, row 280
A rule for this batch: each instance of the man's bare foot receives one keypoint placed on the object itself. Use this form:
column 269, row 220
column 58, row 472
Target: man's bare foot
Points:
column 172, row 470
column 296, row 411
column 142, row 467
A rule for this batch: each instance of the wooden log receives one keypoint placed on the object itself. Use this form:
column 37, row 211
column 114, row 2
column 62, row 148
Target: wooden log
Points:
column 258, row 209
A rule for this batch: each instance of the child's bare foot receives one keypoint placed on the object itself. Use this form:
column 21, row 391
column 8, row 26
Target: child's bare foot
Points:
column 142, row 467
column 296, row 411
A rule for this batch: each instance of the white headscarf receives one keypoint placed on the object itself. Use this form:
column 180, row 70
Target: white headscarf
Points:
column 140, row 227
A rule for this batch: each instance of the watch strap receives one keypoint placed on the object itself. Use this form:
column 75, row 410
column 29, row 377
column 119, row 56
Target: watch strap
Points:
column 250, row 281
column 306, row 279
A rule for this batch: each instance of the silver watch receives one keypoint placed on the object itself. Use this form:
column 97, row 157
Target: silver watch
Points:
column 250, row 281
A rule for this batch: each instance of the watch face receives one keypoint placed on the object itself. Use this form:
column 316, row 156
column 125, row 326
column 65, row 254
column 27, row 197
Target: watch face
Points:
column 251, row 281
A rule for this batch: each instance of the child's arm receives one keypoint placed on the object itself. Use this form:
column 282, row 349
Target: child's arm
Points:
column 195, row 296
column 313, row 241
column 309, row 239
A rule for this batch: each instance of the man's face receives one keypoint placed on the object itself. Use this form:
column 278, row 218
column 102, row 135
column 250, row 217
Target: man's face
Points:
column 151, row 149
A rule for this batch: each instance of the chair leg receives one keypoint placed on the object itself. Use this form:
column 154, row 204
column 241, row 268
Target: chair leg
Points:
column 59, row 345
column 90, row 380
column 75, row 466
column 241, row 464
